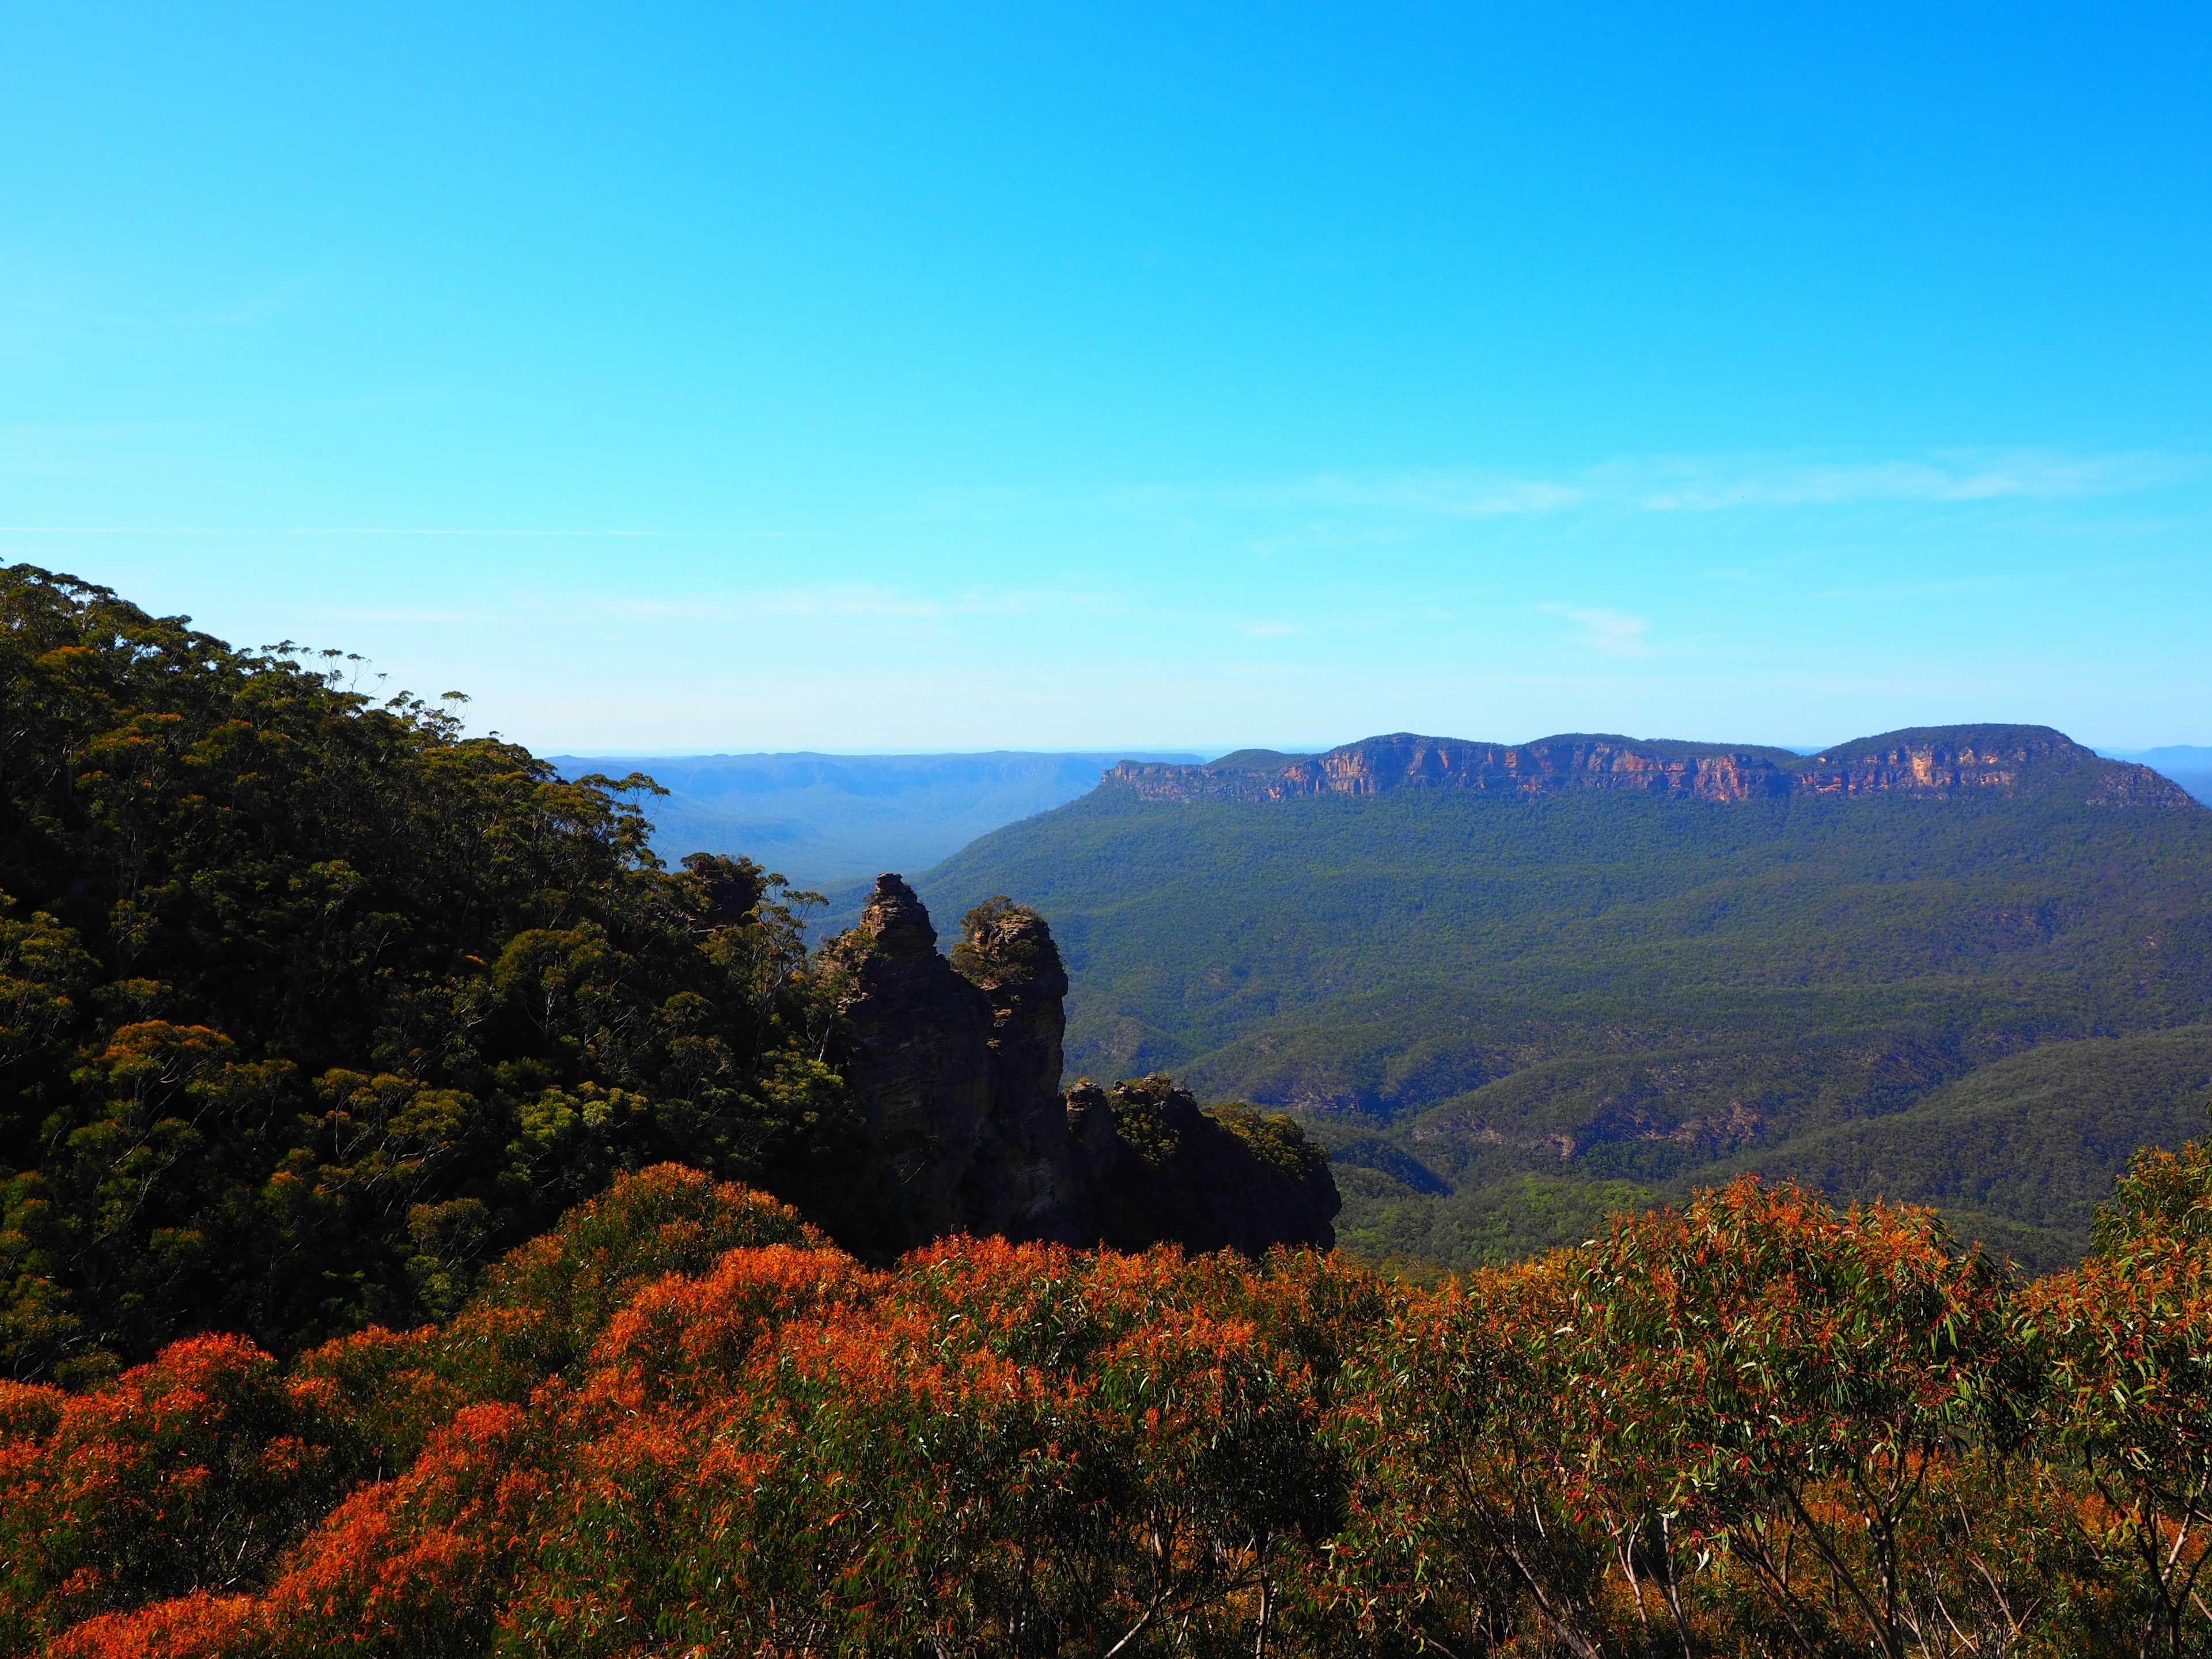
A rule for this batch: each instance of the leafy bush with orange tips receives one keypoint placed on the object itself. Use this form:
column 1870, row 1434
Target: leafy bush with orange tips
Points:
column 190, row 1473
column 2126, row 1341
column 992, row 1448
column 195, row 1626
column 541, row 1307
column 681, row 1424
column 1754, row 1425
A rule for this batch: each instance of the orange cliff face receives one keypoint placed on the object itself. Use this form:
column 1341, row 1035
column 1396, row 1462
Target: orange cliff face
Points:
column 1927, row 761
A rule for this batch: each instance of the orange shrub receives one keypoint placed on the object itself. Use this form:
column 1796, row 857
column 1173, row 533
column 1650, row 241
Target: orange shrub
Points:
column 188, row 1473
column 680, row 1423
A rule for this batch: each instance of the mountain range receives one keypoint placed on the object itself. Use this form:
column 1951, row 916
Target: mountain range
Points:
column 1511, row 985
column 837, row 817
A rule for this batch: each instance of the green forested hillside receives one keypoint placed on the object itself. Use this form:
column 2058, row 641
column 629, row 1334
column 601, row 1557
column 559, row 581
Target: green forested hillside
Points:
column 1513, row 1010
column 2021, row 1151
column 309, row 1004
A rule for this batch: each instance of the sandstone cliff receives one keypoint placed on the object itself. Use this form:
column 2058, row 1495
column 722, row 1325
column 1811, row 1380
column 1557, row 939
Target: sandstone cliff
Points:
column 1922, row 761
column 954, row 1067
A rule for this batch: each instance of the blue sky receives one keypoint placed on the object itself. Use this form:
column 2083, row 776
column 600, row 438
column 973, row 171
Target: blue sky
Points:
column 735, row 377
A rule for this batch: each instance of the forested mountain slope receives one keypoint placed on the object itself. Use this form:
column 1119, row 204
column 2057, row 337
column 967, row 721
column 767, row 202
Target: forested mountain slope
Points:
column 311, row 1004
column 1501, row 980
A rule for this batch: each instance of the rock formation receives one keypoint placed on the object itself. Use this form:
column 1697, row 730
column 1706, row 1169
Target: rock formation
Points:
column 1923, row 760
column 1152, row 1166
column 955, row 1069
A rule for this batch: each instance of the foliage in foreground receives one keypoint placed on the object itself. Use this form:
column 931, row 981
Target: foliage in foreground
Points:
column 681, row 1423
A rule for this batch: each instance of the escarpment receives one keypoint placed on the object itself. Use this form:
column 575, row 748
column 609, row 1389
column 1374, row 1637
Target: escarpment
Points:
column 1932, row 760
column 954, row 1069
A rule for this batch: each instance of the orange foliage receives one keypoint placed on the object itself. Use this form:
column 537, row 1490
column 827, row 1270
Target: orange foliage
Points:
column 195, row 1626
column 682, row 1424
column 188, row 1472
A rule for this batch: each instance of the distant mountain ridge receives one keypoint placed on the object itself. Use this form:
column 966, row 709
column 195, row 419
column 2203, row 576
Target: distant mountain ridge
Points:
column 831, row 817
column 2188, row 765
column 1509, row 985
column 1918, row 761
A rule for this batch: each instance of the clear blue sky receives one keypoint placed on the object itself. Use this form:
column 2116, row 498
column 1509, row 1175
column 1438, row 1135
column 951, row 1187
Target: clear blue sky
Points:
column 690, row 377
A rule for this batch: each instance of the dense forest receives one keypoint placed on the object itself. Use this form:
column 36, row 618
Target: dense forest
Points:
column 1505, row 1014
column 311, row 1005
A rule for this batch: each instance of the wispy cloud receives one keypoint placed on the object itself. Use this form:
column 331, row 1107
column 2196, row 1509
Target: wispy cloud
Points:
column 1653, row 483
column 1445, row 494
column 859, row 601
column 1714, row 485
column 1613, row 632
column 1718, row 483
column 46, row 302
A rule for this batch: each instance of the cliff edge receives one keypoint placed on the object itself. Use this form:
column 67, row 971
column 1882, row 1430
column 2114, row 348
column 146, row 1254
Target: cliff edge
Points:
column 1926, row 760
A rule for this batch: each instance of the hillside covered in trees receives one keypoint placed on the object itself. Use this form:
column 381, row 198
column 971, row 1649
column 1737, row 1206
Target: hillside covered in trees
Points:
column 310, row 1006
column 1511, row 989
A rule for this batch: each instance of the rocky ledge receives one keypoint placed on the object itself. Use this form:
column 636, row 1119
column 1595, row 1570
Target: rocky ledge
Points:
column 953, row 1067
column 1935, row 760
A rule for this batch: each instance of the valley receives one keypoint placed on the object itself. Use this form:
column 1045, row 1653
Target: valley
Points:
column 1508, row 994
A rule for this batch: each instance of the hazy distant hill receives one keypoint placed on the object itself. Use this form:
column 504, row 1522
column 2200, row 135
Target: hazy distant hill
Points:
column 2189, row 766
column 833, row 817
column 1510, row 984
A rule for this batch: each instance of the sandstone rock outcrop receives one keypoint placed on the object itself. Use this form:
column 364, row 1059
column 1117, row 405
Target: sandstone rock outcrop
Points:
column 1922, row 761
column 918, row 1066
column 954, row 1068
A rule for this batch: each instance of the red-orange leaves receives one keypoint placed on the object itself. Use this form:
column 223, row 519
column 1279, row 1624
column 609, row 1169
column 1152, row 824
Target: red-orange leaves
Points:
column 2127, row 1341
column 417, row 1567
column 185, row 1474
column 545, row 1304
column 680, row 1423
column 195, row 1626
column 992, row 1448
column 688, row 1339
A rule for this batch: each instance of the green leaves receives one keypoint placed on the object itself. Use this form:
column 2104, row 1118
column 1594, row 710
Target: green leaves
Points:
column 280, row 965
column 679, row 1419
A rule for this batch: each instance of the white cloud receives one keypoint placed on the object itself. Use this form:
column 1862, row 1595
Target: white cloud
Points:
column 1652, row 483
column 1716, row 484
column 1613, row 632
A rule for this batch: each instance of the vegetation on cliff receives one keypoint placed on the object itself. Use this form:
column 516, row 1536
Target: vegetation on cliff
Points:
column 1208, row 1178
column 681, row 1422
column 1504, row 1014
